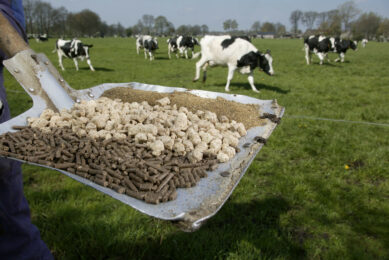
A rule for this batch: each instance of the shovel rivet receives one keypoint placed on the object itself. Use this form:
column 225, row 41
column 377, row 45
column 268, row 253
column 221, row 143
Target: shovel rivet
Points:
column 61, row 80
column 16, row 70
column 46, row 62
column 31, row 89
column 225, row 174
column 91, row 95
column 78, row 100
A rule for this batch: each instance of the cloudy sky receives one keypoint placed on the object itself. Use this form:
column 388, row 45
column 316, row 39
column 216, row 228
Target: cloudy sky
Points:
column 211, row 12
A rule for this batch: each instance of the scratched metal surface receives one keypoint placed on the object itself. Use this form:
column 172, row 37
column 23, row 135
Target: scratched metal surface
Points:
column 193, row 205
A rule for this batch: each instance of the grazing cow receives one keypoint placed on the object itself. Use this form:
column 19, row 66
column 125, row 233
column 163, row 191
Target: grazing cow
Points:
column 364, row 42
column 235, row 53
column 181, row 44
column 320, row 45
column 172, row 46
column 148, row 43
column 41, row 38
column 73, row 49
column 341, row 47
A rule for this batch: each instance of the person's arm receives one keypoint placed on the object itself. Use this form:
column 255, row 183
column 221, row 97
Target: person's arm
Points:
column 10, row 41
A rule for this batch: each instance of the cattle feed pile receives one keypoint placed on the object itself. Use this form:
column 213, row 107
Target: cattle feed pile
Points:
column 144, row 151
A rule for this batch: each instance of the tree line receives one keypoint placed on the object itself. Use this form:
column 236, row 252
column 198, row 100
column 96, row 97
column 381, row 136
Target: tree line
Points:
column 347, row 18
column 42, row 18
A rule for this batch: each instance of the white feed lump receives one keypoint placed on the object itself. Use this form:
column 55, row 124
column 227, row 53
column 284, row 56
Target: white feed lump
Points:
column 160, row 127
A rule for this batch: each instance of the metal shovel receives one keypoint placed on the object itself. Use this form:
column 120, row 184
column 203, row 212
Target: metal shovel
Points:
column 193, row 206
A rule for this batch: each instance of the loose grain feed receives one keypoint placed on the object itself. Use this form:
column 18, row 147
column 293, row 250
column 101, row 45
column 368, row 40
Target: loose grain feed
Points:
column 248, row 114
column 151, row 179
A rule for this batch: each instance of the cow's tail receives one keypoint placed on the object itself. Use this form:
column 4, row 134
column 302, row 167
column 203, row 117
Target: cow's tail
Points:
column 196, row 55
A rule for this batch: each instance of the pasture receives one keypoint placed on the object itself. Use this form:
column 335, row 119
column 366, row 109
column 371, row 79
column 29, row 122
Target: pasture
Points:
column 319, row 189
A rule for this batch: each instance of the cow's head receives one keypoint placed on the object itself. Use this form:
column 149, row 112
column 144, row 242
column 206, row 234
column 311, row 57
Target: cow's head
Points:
column 353, row 45
column 266, row 62
column 195, row 41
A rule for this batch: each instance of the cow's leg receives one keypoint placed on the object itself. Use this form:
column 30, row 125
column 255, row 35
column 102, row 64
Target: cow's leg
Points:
column 90, row 64
column 199, row 64
column 151, row 55
column 145, row 51
column 186, row 54
column 205, row 71
column 307, row 54
column 321, row 57
column 342, row 57
column 75, row 63
column 251, row 81
column 231, row 70
column 60, row 61
column 326, row 56
column 137, row 49
column 168, row 52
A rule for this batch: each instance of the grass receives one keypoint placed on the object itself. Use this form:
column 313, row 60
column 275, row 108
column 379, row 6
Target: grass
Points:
column 297, row 199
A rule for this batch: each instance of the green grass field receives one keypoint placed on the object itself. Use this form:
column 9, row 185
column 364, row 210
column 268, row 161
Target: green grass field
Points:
column 297, row 199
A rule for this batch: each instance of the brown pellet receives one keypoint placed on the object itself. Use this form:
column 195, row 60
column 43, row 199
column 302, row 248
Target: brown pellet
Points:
column 152, row 197
column 130, row 184
column 101, row 182
column 121, row 165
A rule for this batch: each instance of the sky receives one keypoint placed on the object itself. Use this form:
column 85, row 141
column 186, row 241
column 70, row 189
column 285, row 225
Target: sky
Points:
column 211, row 12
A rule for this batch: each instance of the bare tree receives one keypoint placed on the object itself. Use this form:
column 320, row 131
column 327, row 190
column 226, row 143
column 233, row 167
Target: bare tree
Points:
column 256, row 27
column 332, row 25
column 148, row 22
column 309, row 18
column 294, row 19
column 29, row 15
column 42, row 12
column 348, row 11
column 59, row 17
column 280, row 28
column 161, row 24
column 321, row 18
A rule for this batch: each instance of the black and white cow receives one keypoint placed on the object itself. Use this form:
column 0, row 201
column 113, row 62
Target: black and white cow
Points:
column 41, row 38
column 341, row 47
column 181, row 44
column 320, row 45
column 73, row 49
column 148, row 43
column 235, row 53
column 172, row 46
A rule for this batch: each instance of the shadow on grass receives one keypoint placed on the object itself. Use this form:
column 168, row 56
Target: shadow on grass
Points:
column 258, row 86
column 162, row 58
column 98, row 69
column 251, row 230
